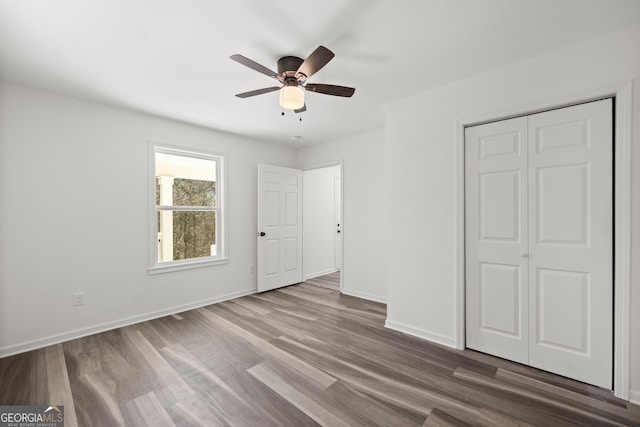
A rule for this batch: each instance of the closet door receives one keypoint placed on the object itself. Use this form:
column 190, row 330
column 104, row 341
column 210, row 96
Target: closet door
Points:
column 571, row 240
column 496, row 239
column 539, row 240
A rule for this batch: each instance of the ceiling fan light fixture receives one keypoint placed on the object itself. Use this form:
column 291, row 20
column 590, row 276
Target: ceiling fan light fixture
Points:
column 293, row 73
column 291, row 97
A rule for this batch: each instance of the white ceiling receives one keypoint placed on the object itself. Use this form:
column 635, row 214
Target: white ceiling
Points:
column 171, row 58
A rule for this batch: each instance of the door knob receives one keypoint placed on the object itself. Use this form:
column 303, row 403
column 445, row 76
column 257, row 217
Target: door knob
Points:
column 262, row 234
column 524, row 254
column 338, row 231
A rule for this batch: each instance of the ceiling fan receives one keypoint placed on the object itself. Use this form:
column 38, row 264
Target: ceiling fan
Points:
column 293, row 73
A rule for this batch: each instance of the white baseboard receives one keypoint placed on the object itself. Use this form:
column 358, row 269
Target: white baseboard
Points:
column 83, row 332
column 421, row 333
column 318, row 274
column 634, row 397
column 365, row 295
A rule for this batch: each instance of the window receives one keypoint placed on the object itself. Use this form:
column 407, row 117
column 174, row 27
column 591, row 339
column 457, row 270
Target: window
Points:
column 187, row 216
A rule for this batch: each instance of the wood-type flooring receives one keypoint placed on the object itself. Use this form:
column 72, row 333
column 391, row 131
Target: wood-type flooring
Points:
column 303, row 355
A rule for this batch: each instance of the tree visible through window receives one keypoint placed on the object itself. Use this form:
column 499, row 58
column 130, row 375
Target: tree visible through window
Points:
column 187, row 205
column 193, row 232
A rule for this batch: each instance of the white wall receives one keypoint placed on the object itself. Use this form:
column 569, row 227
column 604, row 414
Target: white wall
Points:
column 73, row 180
column 319, row 222
column 363, row 201
column 421, row 166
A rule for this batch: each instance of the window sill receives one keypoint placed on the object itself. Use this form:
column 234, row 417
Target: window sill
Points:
column 188, row 265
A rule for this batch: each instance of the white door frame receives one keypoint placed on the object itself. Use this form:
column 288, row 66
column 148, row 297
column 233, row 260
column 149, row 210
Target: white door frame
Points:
column 622, row 217
column 342, row 227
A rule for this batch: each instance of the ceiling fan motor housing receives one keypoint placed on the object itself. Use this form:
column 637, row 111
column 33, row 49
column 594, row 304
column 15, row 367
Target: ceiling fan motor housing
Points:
column 288, row 65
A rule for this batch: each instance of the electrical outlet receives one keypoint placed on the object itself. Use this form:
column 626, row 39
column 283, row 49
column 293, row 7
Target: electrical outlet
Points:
column 78, row 299
column 252, row 269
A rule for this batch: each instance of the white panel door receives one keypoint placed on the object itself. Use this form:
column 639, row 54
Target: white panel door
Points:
column 279, row 227
column 539, row 240
column 496, row 239
column 571, row 241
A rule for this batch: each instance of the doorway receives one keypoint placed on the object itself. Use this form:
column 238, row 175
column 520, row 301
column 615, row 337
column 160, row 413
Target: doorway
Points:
column 282, row 240
column 322, row 221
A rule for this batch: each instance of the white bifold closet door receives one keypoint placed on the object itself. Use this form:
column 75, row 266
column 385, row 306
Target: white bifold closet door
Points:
column 539, row 240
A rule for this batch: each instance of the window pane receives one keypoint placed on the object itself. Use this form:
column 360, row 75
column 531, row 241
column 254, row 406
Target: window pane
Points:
column 186, row 234
column 185, row 181
column 193, row 192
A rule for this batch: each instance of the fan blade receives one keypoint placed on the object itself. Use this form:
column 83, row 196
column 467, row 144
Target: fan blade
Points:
column 314, row 62
column 257, row 92
column 330, row 89
column 254, row 65
column 301, row 110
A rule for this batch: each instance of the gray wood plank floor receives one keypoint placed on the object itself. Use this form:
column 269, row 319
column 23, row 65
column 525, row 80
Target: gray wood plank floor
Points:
column 297, row 356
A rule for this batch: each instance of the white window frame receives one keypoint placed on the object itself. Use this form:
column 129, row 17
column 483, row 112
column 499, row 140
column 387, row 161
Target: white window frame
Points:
column 221, row 257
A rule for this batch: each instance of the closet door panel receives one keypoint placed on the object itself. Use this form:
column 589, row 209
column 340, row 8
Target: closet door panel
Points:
column 496, row 233
column 571, row 240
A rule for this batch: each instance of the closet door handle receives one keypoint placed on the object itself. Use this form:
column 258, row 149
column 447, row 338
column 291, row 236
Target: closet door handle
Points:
column 524, row 254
